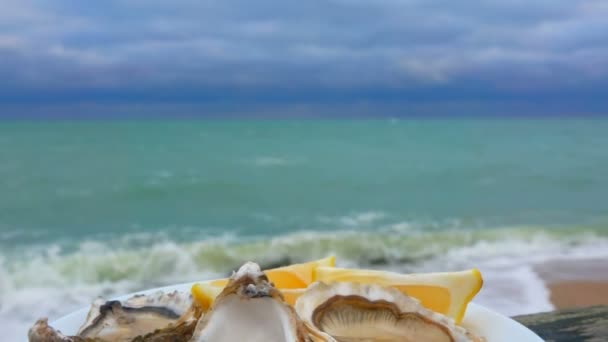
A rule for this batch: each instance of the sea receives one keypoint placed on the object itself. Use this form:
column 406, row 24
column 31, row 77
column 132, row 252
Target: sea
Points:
column 104, row 208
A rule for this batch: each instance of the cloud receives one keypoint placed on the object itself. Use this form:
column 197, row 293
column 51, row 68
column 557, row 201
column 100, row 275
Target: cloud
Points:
column 338, row 50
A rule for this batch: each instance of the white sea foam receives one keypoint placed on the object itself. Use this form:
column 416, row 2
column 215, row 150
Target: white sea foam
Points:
column 514, row 290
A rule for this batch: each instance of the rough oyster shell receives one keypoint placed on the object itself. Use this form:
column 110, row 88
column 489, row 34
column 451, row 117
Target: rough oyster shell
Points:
column 349, row 312
column 42, row 332
column 250, row 309
column 180, row 332
column 139, row 318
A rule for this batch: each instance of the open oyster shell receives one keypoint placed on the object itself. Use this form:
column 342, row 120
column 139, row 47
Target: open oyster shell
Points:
column 349, row 312
column 250, row 309
column 139, row 318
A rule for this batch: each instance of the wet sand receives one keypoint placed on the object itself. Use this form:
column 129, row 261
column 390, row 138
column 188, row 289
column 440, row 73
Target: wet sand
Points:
column 576, row 283
column 573, row 294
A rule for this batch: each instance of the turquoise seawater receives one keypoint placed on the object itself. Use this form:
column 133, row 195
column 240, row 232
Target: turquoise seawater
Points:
column 103, row 208
column 72, row 181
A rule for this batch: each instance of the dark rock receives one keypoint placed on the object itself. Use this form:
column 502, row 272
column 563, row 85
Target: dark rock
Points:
column 575, row 325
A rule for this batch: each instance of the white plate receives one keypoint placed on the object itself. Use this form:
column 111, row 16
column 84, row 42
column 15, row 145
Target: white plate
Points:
column 483, row 322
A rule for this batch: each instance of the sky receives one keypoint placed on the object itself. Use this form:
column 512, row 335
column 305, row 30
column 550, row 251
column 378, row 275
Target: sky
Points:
column 122, row 58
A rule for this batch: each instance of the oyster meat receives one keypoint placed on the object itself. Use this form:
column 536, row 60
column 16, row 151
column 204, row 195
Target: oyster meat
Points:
column 349, row 312
column 250, row 309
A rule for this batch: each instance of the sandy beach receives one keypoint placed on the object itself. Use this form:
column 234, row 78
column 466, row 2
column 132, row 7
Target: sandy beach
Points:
column 578, row 294
column 576, row 283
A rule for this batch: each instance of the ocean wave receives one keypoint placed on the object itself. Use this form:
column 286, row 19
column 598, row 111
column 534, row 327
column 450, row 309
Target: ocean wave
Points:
column 53, row 280
column 153, row 258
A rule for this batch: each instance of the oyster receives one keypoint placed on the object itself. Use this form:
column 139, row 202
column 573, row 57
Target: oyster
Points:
column 250, row 309
column 349, row 312
column 141, row 316
column 180, row 332
column 137, row 316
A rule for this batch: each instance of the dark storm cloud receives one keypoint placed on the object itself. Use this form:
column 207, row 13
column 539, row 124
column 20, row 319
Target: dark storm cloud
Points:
column 306, row 51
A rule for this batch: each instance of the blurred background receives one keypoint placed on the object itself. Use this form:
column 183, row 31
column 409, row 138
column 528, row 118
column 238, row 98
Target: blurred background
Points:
column 146, row 143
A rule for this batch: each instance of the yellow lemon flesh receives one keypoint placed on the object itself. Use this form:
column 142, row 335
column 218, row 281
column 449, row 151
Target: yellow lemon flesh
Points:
column 291, row 280
column 204, row 294
column 446, row 293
